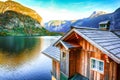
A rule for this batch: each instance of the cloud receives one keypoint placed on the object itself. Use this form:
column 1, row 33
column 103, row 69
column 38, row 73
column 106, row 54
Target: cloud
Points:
column 50, row 10
column 52, row 13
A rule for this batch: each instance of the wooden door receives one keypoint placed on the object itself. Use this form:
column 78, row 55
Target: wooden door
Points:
column 73, row 62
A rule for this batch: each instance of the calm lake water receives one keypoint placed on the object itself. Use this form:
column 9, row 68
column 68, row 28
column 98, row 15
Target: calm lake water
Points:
column 21, row 58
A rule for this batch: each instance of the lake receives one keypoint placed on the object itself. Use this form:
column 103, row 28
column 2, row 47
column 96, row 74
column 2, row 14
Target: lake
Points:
column 21, row 58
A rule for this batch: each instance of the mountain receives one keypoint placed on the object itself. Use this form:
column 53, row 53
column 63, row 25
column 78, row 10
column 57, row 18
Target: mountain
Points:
column 13, row 23
column 91, row 22
column 65, row 25
column 58, row 25
column 17, row 24
column 14, row 6
column 12, row 19
column 17, row 20
column 97, row 13
column 114, row 19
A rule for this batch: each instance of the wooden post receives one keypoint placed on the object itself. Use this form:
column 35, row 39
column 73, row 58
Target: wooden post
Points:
column 67, row 62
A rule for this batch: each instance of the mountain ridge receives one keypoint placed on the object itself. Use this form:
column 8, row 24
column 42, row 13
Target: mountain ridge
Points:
column 113, row 17
column 97, row 13
column 91, row 22
column 17, row 7
column 58, row 25
column 16, row 24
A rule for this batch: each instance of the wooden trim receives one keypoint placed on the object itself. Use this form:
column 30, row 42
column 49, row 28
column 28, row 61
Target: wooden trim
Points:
column 69, row 32
column 67, row 65
column 64, row 45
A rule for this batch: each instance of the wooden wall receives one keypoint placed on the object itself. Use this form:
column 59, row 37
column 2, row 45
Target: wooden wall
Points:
column 64, row 62
column 56, row 69
column 118, row 72
column 89, row 51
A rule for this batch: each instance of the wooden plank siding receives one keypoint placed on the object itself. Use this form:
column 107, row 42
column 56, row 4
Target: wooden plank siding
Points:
column 118, row 72
column 64, row 63
column 56, row 69
column 89, row 51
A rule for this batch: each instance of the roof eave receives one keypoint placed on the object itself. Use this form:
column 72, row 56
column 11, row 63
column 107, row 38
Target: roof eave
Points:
column 51, row 57
column 62, row 38
column 64, row 45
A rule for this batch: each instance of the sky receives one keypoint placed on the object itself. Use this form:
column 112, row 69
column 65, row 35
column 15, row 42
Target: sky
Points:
column 69, row 9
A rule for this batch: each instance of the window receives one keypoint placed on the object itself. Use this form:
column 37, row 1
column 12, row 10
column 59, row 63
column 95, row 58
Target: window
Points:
column 101, row 66
column 64, row 55
column 93, row 63
column 97, row 65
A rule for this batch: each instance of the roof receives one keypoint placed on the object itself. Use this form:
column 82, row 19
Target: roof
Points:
column 104, row 22
column 68, row 45
column 106, row 41
column 117, row 33
column 52, row 52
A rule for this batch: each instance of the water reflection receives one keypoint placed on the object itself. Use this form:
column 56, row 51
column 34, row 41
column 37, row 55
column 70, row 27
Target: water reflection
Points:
column 16, row 45
column 20, row 58
column 17, row 50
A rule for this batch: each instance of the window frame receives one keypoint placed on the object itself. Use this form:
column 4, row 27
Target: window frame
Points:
column 97, row 65
column 63, row 55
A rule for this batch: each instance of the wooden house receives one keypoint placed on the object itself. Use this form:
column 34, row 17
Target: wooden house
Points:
column 86, row 54
column 104, row 25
